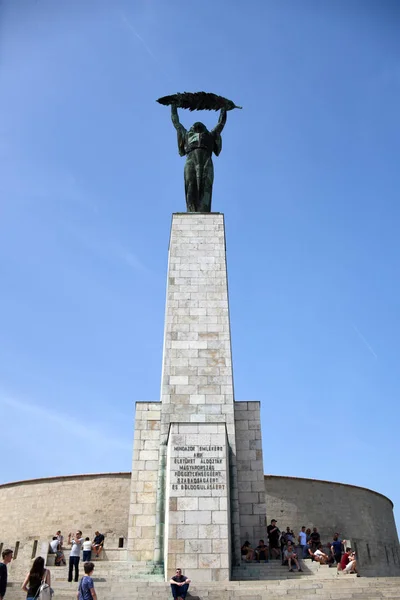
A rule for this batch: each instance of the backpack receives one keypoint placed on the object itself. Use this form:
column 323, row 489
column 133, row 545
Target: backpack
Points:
column 45, row 592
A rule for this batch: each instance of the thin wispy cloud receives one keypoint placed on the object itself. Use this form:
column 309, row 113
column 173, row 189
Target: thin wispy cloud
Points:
column 34, row 414
column 362, row 338
column 139, row 37
column 107, row 247
column 131, row 28
column 131, row 259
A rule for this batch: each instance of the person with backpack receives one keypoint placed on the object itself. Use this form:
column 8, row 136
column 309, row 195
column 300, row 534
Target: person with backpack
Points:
column 37, row 576
column 86, row 589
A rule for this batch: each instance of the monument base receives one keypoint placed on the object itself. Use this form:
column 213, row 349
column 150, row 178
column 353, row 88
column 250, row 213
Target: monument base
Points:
column 197, row 521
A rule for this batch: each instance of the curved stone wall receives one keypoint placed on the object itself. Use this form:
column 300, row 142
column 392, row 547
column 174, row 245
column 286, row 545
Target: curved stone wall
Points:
column 34, row 510
column 360, row 515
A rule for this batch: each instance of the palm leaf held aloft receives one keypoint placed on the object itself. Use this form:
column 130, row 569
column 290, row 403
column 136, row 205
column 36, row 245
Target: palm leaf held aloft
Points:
column 198, row 101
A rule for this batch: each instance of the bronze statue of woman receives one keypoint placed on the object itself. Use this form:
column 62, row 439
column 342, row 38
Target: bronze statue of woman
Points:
column 197, row 145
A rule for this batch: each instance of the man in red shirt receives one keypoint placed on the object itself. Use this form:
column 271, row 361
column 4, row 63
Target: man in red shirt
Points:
column 349, row 562
column 345, row 559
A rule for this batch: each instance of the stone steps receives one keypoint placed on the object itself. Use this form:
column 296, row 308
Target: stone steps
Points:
column 115, row 570
column 342, row 588
column 275, row 570
column 256, row 581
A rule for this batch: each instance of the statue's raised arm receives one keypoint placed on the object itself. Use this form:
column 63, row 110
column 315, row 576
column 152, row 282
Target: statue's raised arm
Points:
column 221, row 122
column 181, row 131
column 216, row 132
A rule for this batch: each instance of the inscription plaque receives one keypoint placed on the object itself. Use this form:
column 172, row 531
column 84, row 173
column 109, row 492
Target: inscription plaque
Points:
column 199, row 468
column 197, row 519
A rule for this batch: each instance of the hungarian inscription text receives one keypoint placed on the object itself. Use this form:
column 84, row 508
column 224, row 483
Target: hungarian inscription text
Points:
column 199, row 468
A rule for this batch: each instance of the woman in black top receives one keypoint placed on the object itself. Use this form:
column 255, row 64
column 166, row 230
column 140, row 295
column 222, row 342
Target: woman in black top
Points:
column 34, row 578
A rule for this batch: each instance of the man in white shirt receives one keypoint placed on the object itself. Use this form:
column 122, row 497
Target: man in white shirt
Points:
column 54, row 544
column 320, row 556
column 302, row 539
column 76, row 544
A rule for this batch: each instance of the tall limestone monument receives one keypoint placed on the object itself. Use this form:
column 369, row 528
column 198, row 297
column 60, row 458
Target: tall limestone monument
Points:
column 197, row 473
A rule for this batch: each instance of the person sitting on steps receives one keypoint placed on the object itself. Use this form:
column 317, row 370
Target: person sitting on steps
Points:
column 261, row 551
column 179, row 585
column 290, row 556
column 349, row 562
column 98, row 543
column 320, row 556
column 247, row 551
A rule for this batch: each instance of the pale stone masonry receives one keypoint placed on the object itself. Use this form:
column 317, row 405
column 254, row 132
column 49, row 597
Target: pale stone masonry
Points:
column 187, row 508
column 197, row 378
column 198, row 519
column 252, row 508
column 145, row 467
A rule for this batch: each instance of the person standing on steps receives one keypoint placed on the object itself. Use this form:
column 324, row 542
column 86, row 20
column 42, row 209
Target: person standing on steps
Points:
column 34, row 579
column 273, row 537
column 179, row 585
column 87, row 550
column 337, row 549
column 315, row 539
column 7, row 556
column 86, row 589
column 289, row 535
column 302, row 539
column 75, row 555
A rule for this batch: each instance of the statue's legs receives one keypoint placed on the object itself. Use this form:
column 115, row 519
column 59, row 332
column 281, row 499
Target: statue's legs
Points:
column 191, row 188
column 207, row 181
column 199, row 177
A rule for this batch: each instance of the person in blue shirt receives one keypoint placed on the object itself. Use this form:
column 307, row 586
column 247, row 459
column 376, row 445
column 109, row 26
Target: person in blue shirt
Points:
column 86, row 589
column 337, row 548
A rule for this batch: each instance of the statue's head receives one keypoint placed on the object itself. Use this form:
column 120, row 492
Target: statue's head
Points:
column 198, row 127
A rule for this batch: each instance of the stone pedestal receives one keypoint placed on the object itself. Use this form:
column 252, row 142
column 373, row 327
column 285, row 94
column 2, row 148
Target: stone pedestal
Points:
column 197, row 521
column 177, row 517
column 197, row 378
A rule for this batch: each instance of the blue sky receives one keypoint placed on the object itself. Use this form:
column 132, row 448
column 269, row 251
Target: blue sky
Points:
column 309, row 183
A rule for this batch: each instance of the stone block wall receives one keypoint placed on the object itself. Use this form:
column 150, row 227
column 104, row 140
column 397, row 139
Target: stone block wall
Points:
column 358, row 514
column 252, row 509
column 143, row 513
column 198, row 517
column 197, row 378
column 32, row 511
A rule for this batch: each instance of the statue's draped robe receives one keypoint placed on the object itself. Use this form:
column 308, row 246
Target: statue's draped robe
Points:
column 199, row 169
